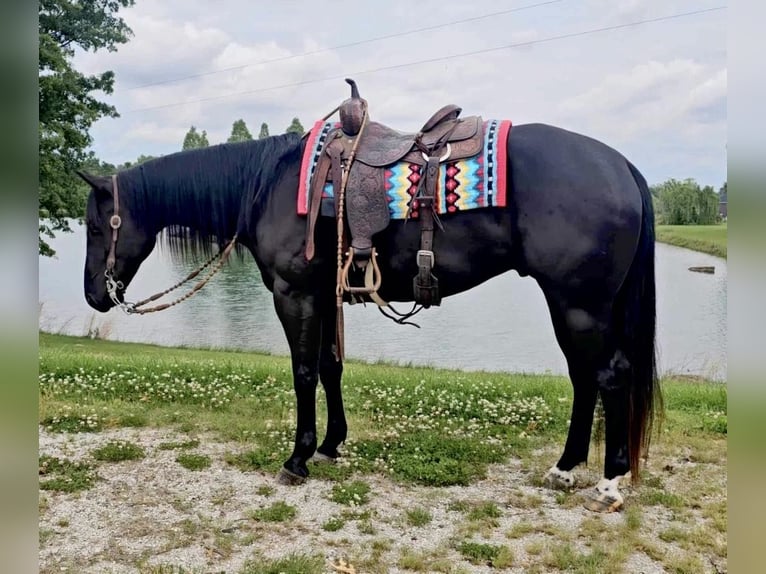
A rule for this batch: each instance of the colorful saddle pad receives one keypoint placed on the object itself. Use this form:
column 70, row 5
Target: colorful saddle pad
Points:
column 471, row 183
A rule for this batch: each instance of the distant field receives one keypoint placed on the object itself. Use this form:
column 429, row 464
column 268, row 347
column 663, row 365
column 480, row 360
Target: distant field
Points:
column 710, row 239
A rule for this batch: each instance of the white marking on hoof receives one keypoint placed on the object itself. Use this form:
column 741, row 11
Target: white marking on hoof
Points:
column 559, row 479
column 289, row 478
column 605, row 496
column 320, row 458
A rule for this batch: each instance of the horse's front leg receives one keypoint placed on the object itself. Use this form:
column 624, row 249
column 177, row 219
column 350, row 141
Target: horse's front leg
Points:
column 330, row 374
column 300, row 317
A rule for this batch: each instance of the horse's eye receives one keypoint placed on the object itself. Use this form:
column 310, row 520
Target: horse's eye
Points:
column 94, row 229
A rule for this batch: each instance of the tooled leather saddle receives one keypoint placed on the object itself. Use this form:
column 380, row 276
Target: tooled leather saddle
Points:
column 360, row 150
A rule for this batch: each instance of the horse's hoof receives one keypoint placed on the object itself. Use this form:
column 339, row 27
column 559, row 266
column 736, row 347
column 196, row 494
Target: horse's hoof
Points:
column 559, row 479
column 604, row 497
column 320, row 458
column 289, row 478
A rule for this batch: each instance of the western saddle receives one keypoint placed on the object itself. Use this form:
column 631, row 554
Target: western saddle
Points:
column 355, row 157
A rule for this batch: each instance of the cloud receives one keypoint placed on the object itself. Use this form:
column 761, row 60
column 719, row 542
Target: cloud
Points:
column 652, row 98
column 657, row 81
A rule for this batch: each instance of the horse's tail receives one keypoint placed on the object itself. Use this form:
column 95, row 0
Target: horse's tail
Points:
column 638, row 330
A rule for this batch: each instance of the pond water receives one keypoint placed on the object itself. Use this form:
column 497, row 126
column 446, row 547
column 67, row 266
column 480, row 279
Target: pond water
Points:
column 482, row 329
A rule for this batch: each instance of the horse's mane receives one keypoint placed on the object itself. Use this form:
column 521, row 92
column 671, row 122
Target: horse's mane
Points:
column 208, row 186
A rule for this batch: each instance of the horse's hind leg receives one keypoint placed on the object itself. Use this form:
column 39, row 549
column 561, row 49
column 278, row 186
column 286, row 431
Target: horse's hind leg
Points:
column 581, row 338
column 614, row 386
column 596, row 366
column 330, row 374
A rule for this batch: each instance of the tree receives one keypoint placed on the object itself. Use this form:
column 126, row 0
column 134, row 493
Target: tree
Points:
column 264, row 133
column 295, row 127
column 141, row 159
column 67, row 108
column 685, row 203
column 239, row 132
column 194, row 139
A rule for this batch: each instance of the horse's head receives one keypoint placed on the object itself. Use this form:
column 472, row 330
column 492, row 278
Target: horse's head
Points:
column 117, row 243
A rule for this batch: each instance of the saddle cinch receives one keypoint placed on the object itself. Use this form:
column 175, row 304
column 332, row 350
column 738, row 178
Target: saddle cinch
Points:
column 355, row 158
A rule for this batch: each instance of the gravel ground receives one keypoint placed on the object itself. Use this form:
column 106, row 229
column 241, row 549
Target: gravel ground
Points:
column 153, row 512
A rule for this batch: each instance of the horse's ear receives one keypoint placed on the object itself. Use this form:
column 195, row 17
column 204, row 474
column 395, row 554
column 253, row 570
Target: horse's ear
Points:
column 97, row 182
column 89, row 179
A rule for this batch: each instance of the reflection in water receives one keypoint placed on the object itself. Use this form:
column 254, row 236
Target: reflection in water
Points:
column 482, row 329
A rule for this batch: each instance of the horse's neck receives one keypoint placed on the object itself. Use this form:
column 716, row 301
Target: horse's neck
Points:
column 199, row 204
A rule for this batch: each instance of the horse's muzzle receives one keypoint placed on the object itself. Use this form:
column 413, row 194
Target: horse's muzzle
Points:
column 103, row 305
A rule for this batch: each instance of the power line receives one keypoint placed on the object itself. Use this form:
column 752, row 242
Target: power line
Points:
column 349, row 45
column 438, row 59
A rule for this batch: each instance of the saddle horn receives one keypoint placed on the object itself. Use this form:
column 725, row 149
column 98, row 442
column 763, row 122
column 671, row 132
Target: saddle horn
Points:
column 352, row 111
column 354, row 89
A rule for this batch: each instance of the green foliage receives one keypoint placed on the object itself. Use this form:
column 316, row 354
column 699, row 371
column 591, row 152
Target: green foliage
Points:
column 334, row 524
column 654, row 497
column 291, row 564
column 265, row 490
column 435, row 460
column 266, row 459
column 118, row 451
column 418, row 516
column 193, row 443
column 73, row 420
column 565, row 557
column 191, row 461
column 484, row 510
column 716, row 422
column 295, row 127
column 277, row 512
column 65, row 475
column 67, row 108
column 354, row 493
column 194, row 139
column 685, row 203
column 239, row 132
column 264, row 133
column 489, row 554
column 141, row 159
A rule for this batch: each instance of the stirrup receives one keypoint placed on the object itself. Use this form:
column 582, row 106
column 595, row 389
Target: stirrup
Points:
column 376, row 277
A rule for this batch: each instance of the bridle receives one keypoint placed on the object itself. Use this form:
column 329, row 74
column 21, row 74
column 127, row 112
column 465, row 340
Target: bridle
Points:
column 113, row 284
column 115, row 222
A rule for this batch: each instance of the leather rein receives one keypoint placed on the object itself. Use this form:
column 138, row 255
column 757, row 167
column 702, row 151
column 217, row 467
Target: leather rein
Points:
column 113, row 284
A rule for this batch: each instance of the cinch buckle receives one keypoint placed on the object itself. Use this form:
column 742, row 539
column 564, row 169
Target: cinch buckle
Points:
column 427, row 254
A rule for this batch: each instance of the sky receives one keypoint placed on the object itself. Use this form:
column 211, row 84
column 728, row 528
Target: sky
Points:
column 655, row 91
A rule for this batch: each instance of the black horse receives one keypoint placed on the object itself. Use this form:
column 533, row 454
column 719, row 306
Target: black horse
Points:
column 579, row 220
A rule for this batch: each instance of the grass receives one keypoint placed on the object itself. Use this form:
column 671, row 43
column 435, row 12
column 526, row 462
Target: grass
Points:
column 489, row 554
column 416, row 425
column 277, row 512
column 355, row 493
column 565, row 557
column 264, row 490
column 65, row 475
column 712, row 239
column 334, row 524
column 420, row 561
column 192, row 461
column 118, row 451
column 193, row 443
column 418, row 517
column 291, row 564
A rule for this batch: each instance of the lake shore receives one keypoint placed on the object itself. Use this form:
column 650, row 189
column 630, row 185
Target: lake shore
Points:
column 158, row 459
column 711, row 239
